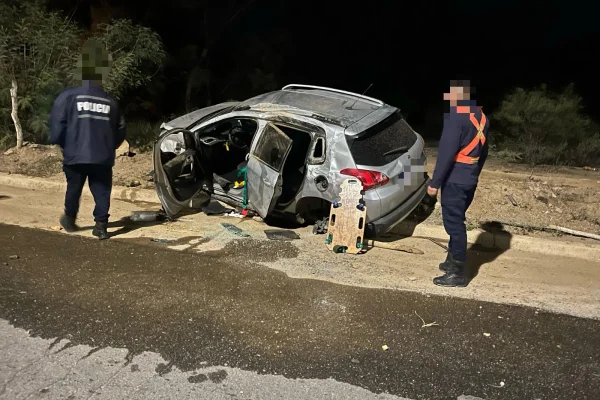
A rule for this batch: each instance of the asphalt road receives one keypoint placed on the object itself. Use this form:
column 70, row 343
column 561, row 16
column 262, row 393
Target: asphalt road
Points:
column 206, row 325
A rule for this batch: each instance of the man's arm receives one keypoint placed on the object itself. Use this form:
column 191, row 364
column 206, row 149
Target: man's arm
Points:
column 447, row 150
column 120, row 132
column 483, row 156
column 58, row 121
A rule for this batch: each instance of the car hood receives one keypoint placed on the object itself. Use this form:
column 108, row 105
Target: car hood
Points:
column 188, row 119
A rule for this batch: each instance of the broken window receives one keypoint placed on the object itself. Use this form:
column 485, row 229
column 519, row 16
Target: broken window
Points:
column 318, row 151
column 272, row 147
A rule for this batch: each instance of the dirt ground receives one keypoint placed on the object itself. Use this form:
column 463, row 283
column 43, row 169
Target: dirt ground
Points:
column 565, row 197
column 544, row 195
column 46, row 162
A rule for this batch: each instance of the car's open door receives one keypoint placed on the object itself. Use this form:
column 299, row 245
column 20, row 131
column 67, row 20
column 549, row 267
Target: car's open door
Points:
column 177, row 176
column 265, row 166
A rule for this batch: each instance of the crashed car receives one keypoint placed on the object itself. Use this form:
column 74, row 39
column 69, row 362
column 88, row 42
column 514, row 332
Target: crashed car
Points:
column 292, row 148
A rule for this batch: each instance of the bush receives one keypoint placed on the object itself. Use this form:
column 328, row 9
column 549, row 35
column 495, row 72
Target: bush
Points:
column 38, row 53
column 141, row 134
column 137, row 55
column 542, row 127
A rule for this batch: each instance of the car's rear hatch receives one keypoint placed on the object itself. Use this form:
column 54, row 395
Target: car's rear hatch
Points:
column 390, row 147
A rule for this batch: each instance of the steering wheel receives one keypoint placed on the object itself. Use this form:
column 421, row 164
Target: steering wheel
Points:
column 236, row 139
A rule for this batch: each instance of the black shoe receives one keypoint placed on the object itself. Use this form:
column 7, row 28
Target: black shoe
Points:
column 100, row 230
column 68, row 224
column 446, row 265
column 455, row 276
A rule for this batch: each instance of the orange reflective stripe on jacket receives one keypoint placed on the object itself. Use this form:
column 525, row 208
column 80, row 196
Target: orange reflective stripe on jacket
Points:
column 463, row 155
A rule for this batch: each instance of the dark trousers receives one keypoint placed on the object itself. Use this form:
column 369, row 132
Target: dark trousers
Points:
column 456, row 199
column 100, row 181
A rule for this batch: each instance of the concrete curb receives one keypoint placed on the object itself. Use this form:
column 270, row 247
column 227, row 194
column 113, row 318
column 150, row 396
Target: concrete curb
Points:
column 506, row 241
column 118, row 192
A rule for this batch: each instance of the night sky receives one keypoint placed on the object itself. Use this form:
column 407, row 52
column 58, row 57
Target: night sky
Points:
column 407, row 51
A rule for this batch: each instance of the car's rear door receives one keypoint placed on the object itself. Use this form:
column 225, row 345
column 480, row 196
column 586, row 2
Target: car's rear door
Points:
column 265, row 166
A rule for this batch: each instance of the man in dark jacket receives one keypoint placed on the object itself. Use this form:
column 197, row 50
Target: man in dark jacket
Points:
column 87, row 124
column 462, row 152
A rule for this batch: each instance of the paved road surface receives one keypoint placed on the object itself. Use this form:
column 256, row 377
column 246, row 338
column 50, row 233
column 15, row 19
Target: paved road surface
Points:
column 561, row 284
column 112, row 320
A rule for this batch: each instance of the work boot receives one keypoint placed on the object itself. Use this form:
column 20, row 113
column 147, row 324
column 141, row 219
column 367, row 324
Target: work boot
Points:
column 455, row 275
column 446, row 265
column 68, row 223
column 100, row 230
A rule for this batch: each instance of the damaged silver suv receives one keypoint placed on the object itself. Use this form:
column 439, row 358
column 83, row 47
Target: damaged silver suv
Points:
column 292, row 148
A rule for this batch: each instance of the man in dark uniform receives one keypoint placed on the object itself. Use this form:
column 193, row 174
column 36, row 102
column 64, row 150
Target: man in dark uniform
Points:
column 87, row 124
column 462, row 152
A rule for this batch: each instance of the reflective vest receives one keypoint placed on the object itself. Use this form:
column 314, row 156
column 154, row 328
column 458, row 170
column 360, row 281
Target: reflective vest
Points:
column 463, row 155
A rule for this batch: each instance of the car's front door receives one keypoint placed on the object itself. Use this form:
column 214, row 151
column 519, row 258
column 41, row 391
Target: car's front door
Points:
column 178, row 179
column 265, row 166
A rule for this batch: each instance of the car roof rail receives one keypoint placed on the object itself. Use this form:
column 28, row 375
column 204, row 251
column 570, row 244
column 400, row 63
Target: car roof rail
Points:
column 360, row 96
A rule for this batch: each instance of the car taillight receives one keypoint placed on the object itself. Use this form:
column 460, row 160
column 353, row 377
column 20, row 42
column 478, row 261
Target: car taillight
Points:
column 369, row 179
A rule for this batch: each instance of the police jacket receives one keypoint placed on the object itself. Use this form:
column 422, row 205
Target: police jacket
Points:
column 463, row 147
column 87, row 124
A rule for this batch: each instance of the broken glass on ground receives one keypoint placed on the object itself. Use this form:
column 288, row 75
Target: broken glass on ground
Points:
column 281, row 234
column 234, row 229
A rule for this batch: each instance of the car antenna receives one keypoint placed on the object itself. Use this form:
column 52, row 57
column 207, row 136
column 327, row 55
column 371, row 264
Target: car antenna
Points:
column 350, row 108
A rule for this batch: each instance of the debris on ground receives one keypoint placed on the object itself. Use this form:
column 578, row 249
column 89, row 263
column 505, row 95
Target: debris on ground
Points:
column 281, row 234
column 133, row 184
column 425, row 324
column 158, row 240
column 385, row 347
column 216, row 208
column 234, row 229
column 235, row 214
column 147, row 216
column 320, row 227
column 13, row 257
column 574, row 232
column 554, row 228
column 123, row 150
column 391, row 246
column 511, row 197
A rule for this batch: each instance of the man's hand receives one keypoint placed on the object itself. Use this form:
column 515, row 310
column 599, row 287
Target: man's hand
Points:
column 432, row 191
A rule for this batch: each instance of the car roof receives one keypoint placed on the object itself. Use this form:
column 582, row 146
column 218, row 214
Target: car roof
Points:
column 344, row 107
column 187, row 119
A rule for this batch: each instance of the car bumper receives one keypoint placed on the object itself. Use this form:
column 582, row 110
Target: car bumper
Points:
column 384, row 224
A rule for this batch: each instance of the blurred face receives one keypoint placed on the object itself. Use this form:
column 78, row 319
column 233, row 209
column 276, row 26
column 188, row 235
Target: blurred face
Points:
column 94, row 63
column 456, row 94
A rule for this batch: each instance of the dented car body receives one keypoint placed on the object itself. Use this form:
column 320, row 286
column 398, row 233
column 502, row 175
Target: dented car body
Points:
column 297, row 145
